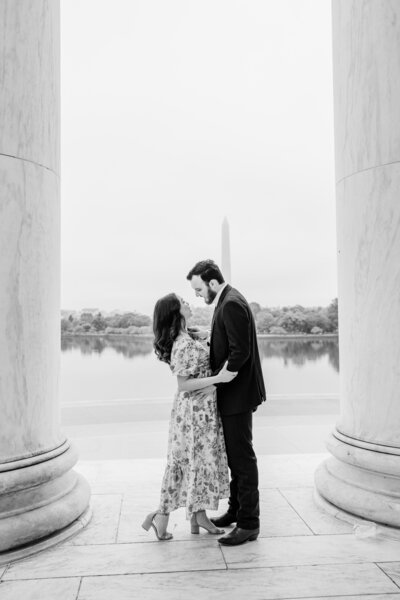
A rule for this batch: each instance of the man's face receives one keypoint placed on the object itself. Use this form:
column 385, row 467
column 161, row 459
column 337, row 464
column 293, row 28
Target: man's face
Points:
column 203, row 289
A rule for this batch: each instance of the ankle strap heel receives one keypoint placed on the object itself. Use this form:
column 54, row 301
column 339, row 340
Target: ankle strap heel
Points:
column 194, row 526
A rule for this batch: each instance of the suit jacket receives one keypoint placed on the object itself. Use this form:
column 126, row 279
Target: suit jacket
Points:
column 233, row 339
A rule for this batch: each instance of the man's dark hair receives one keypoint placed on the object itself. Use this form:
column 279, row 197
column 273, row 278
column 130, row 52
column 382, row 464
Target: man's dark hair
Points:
column 207, row 269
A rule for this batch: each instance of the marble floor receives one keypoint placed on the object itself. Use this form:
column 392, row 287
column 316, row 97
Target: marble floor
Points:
column 301, row 552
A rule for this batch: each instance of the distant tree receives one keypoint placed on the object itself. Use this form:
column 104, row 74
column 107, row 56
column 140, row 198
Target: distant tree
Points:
column 317, row 317
column 201, row 315
column 86, row 317
column 133, row 318
column 255, row 308
column 99, row 323
column 65, row 325
column 298, row 308
column 292, row 322
column 312, row 318
column 113, row 321
column 333, row 315
column 264, row 320
column 126, row 320
column 324, row 322
column 115, row 330
column 142, row 320
column 139, row 330
column 276, row 330
column 278, row 320
column 316, row 331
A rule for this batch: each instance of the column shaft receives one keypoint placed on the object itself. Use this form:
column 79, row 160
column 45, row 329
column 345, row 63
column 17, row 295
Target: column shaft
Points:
column 39, row 492
column 363, row 477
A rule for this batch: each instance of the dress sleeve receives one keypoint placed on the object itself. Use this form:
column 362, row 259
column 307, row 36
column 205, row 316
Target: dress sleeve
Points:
column 184, row 358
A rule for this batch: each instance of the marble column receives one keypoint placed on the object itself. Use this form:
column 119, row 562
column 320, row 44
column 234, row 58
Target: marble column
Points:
column 40, row 494
column 363, row 475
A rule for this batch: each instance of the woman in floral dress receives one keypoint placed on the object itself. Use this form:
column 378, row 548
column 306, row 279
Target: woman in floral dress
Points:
column 196, row 475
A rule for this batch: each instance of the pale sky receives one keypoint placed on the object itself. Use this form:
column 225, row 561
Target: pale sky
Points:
column 178, row 113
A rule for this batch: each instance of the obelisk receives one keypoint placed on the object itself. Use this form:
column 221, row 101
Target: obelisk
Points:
column 226, row 252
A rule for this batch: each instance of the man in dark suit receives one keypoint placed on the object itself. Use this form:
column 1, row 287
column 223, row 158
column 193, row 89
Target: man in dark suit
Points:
column 233, row 339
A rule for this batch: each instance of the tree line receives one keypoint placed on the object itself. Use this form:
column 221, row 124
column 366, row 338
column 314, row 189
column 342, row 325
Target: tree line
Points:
column 296, row 319
column 274, row 321
column 96, row 322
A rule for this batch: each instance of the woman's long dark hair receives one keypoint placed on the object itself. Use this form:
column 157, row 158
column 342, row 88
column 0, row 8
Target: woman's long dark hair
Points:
column 167, row 325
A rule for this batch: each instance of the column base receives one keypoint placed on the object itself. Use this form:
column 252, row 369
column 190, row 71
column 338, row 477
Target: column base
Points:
column 361, row 479
column 41, row 502
column 385, row 531
column 48, row 541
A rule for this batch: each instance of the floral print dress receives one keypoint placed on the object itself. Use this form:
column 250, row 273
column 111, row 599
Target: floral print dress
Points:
column 196, row 475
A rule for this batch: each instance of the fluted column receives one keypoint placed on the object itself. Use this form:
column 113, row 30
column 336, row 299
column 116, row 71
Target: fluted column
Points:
column 363, row 475
column 39, row 493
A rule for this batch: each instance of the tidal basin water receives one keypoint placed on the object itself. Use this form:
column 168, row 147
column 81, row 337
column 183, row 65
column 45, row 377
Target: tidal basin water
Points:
column 106, row 369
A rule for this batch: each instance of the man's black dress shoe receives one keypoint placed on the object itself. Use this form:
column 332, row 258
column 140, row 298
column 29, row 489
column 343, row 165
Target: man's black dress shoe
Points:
column 239, row 536
column 224, row 520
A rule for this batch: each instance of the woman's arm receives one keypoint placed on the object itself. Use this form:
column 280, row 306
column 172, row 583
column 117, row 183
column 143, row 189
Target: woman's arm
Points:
column 191, row 384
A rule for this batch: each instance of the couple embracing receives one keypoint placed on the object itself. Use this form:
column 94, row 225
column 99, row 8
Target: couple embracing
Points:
column 220, row 385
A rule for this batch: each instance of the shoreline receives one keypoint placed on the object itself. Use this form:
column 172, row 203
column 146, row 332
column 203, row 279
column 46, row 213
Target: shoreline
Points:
column 150, row 336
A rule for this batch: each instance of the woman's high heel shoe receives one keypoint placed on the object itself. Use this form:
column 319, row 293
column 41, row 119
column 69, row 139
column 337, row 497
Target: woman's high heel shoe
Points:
column 194, row 526
column 200, row 519
column 149, row 522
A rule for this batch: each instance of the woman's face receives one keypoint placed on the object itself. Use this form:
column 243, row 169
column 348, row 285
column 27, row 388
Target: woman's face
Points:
column 186, row 311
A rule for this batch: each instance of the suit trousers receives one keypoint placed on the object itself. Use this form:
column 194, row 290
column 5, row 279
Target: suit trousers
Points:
column 244, row 496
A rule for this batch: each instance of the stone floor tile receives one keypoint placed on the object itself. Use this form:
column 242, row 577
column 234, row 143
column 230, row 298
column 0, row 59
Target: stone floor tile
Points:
column 359, row 597
column 302, row 500
column 134, row 472
column 118, row 559
column 392, row 569
column 271, row 440
column 88, row 468
column 135, row 507
column 280, row 432
column 298, row 439
column 257, row 584
column 40, row 589
column 121, row 487
column 278, row 518
column 133, row 514
column 120, row 476
column 289, row 470
column 103, row 526
column 311, row 550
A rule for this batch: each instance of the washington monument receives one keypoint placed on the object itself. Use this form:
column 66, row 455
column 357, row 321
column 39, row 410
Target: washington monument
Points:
column 226, row 252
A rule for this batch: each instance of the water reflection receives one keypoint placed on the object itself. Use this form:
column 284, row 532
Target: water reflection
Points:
column 125, row 345
column 292, row 352
column 299, row 352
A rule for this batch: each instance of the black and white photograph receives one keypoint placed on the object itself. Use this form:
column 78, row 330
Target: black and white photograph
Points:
column 200, row 299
